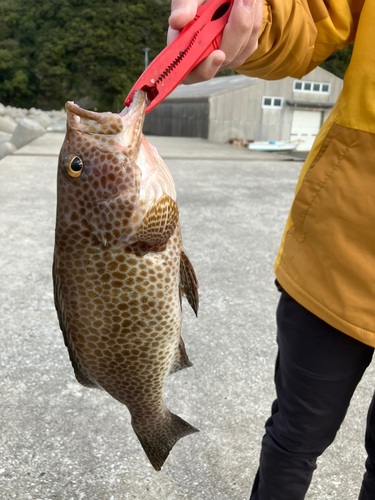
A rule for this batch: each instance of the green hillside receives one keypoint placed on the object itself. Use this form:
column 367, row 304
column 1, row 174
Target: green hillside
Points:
column 89, row 51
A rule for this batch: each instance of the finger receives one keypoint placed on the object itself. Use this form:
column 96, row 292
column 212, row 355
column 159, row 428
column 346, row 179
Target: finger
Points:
column 182, row 12
column 171, row 35
column 252, row 44
column 239, row 40
column 207, row 69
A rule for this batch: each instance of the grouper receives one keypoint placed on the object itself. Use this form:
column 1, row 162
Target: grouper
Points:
column 120, row 269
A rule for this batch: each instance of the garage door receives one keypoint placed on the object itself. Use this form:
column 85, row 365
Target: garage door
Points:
column 305, row 125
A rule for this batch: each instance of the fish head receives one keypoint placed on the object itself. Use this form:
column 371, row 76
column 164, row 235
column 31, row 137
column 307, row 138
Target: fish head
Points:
column 109, row 175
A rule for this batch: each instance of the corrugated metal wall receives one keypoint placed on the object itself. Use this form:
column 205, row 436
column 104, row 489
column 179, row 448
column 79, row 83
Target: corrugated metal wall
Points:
column 180, row 118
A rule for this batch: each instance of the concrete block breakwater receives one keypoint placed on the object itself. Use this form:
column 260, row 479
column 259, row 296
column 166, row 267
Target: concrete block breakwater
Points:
column 19, row 126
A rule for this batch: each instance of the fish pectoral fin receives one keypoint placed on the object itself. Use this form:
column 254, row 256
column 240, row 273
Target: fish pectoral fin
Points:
column 59, row 304
column 181, row 359
column 188, row 282
column 159, row 223
column 158, row 442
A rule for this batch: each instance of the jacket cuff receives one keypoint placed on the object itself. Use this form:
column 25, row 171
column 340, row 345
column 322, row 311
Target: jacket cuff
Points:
column 286, row 41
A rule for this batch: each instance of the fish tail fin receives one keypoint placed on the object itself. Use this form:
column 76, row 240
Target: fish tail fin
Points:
column 157, row 443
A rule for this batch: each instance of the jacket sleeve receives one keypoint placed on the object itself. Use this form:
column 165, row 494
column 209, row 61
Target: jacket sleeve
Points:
column 298, row 35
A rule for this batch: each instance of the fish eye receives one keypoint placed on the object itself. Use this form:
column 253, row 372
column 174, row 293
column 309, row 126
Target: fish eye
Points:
column 73, row 165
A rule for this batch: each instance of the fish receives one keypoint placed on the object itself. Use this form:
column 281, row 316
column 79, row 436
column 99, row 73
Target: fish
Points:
column 120, row 270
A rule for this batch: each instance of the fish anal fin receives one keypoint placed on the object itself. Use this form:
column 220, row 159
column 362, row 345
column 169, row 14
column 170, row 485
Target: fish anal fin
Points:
column 159, row 223
column 181, row 360
column 189, row 282
column 157, row 443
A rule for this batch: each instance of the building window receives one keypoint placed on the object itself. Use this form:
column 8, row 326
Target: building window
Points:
column 311, row 87
column 272, row 102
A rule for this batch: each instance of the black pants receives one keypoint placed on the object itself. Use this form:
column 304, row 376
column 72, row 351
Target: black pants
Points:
column 317, row 371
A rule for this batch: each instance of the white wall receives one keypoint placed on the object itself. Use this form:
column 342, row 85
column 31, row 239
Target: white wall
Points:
column 239, row 113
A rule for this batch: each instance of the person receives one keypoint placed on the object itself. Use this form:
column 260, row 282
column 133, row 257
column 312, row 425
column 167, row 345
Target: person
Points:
column 325, row 269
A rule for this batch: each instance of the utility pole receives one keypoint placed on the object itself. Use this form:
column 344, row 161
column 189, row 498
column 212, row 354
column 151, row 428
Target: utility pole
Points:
column 146, row 51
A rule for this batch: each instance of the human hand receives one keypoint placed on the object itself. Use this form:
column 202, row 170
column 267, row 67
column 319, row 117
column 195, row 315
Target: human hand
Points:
column 239, row 41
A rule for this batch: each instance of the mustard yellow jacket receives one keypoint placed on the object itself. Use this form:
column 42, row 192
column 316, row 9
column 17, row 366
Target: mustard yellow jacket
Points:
column 327, row 257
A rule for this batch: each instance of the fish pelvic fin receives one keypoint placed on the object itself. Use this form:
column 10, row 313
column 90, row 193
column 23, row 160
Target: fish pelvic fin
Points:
column 189, row 282
column 181, row 360
column 157, row 443
column 159, row 223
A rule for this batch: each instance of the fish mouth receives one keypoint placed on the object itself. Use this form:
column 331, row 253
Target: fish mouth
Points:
column 106, row 123
column 72, row 107
column 93, row 122
column 138, row 104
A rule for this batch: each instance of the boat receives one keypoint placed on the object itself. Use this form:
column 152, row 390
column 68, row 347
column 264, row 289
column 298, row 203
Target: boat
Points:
column 270, row 146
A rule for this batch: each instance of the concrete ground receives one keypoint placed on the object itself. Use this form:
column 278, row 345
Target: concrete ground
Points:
column 61, row 441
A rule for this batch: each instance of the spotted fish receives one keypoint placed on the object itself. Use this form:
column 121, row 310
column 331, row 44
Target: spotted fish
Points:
column 120, row 269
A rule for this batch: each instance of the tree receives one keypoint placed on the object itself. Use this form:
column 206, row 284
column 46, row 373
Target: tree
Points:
column 13, row 71
column 338, row 62
column 89, row 51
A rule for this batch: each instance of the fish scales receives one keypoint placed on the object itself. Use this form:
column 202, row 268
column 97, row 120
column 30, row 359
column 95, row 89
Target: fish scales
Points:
column 120, row 269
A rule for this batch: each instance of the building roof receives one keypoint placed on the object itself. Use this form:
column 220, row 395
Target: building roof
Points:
column 217, row 85
column 223, row 84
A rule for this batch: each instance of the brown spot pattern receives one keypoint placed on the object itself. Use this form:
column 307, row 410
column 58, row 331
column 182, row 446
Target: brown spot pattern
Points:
column 117, row 276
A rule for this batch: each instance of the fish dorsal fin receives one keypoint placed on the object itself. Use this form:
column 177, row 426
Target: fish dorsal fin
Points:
column 189, row 282
column 181, row 359
column 159, row 223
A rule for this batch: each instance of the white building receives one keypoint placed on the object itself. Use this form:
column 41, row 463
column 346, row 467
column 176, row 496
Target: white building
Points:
column 248, row 108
